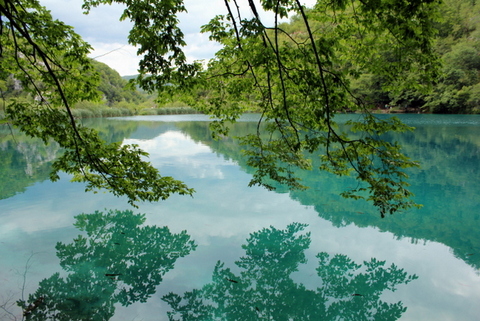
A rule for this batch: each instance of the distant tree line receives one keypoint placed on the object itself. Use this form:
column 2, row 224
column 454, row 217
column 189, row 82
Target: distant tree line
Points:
column 117, row 97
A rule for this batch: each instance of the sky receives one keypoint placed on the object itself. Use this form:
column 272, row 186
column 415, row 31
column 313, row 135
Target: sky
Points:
column 102, row 29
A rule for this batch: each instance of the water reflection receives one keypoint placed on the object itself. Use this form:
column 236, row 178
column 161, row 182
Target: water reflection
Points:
column 119, row 260
column 225, row 210
column 25, row 160
column 265, row 290
column 448, row 149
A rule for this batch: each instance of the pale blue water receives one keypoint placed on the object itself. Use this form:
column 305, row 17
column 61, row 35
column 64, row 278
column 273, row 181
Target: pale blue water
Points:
column 277, row 275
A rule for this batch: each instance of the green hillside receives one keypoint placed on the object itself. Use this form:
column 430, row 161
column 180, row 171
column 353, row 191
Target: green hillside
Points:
column 457, row 90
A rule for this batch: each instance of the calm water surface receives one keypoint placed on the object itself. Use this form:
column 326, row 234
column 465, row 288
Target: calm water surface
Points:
column 237, row 253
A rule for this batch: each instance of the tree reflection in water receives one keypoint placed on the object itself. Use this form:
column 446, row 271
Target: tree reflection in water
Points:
column 119, row 260
column 264, row 289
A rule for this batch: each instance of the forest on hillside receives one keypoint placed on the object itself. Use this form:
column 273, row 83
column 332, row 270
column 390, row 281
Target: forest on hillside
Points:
column 116, row 96
column 455, row 91
column 457, row 88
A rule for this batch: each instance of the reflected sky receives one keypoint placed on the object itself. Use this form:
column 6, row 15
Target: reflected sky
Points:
column 176, row 150
column 220, row 217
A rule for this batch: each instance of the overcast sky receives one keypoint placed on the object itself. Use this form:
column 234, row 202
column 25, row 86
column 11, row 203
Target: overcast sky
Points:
column 108, row 36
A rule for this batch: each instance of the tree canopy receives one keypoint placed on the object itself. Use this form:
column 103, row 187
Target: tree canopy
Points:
column 456, row 88
column 297, row 80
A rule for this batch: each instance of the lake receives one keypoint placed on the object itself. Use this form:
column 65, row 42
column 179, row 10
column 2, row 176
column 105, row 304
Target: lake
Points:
column 233, row 252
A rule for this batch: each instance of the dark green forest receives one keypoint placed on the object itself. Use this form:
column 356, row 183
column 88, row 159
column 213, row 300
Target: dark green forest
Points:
column 457, row 89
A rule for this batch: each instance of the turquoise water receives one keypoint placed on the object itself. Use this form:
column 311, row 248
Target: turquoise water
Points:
column 237, row 253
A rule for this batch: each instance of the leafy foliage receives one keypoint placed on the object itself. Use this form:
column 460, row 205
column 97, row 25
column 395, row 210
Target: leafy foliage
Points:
column 50, row 61
column 159, row 39
column 456, row 90
column 300, row 80
column 115, row 167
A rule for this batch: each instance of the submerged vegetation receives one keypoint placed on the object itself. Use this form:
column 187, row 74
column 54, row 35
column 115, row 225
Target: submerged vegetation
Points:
column 117, row 260
column 265, row 289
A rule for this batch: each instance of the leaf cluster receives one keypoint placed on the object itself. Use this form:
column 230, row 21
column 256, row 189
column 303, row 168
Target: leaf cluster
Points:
column 118, row 168
column 159, row 40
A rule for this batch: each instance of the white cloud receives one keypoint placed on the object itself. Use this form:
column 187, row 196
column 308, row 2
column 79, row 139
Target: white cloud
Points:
column 101, row 25
column 199, row 47
column 121, row 57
